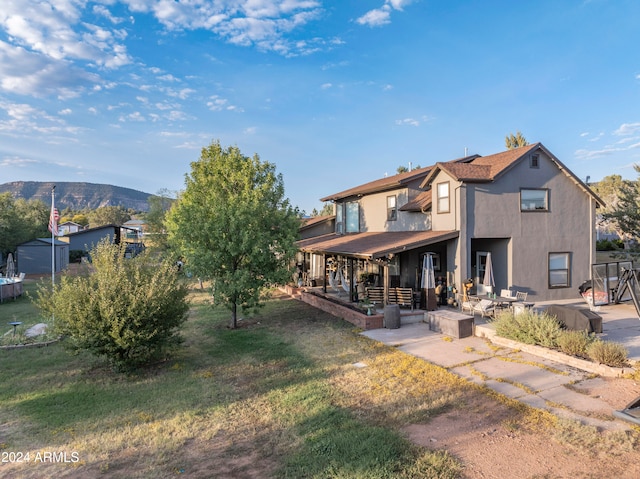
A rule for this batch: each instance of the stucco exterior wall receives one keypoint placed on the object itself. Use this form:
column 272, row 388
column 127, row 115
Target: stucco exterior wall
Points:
column 568, row 226
column 373, row 213
column 445, row 221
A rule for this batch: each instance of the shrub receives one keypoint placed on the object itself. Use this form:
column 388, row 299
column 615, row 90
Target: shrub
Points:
column 529, row 327
column 608, row 353
column 574, row 343
column 127, row 310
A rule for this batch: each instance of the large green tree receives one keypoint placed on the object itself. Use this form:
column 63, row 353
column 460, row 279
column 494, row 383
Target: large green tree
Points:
column 233, row 225
column 624, row 213
column 21, row 220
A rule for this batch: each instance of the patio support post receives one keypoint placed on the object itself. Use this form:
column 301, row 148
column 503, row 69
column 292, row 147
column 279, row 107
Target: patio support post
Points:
column 385, row 282
column 352, row 286
column 324, row 276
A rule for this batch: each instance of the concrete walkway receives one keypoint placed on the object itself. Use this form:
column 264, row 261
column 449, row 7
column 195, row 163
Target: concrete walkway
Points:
column 533, row 379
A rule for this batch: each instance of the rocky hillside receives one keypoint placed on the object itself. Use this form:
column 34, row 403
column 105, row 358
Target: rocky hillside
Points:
column 78, row 196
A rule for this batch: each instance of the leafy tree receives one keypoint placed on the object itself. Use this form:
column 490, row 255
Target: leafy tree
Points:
column 159, row 205
column 127, row 310
column 327, row 210
column 81, row 219
column 108, row 215
column 512, row 141
column 625, row 212
column 232, row 224
column 21, row 220
column 402, row 169
column 609, row 189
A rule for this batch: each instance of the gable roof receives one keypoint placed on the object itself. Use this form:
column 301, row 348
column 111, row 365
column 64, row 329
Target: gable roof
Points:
column 420, row 203
column 481, row 168
column 485, row 169
column 383, row 184
column 389, row 182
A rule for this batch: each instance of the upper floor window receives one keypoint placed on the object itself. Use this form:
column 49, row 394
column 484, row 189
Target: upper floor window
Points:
column 392, row 208
column 534, row 161
column 559, row 270
column 534, row 200
column 352, row 217
column 347, row 217
column 339, row 218
column 442, row 190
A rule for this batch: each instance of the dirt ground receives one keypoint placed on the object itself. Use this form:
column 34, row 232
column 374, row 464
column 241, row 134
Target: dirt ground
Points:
column 490, row 449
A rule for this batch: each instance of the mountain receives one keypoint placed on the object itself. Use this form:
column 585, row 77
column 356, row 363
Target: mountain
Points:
column 78, row 196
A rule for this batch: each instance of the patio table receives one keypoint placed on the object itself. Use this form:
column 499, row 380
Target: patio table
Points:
column 499, row 300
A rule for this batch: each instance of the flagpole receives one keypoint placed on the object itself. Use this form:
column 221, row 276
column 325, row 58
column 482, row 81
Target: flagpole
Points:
column 53, row 240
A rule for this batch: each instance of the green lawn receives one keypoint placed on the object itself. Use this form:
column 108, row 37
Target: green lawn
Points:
column 280, row 397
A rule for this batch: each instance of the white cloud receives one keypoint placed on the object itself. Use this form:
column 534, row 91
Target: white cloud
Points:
column 376, row 17
column 326, row 86
column 627, row 129
column 17, row 162
column 381, row 16
column 413, row 121
column 217, row 103
column 408, row 121
column 66, row 111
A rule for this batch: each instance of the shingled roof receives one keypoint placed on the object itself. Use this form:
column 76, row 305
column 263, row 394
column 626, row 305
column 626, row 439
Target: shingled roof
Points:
column 373, row 245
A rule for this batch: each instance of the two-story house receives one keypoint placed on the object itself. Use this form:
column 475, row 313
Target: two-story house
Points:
column 535, row 217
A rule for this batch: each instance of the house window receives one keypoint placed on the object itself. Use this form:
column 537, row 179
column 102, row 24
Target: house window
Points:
column 339, row 218
column 534, row 200
column 392, row 208
column 443, row 197
column 534, row 161
column 352, row 217
column 559, row 270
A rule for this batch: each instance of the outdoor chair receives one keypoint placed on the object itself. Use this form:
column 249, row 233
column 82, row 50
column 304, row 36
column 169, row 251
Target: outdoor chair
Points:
column 521, row 296
column 506, row 293
column 486, row 308
column 469, row 304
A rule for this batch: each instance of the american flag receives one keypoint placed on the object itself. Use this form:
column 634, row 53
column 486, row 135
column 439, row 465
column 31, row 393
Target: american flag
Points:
column 53, row 221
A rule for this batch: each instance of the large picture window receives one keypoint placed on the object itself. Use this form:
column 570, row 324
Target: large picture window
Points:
column 353, row 217
column 559, row 270
column 534, row 200
column 443, row 197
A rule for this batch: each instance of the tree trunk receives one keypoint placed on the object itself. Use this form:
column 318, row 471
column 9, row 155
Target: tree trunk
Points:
column 234, row 315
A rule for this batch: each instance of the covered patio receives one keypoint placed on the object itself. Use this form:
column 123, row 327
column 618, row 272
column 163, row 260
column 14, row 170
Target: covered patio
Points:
column 347, row 268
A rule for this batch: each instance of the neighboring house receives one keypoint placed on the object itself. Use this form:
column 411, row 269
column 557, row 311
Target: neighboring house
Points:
column 34, row 257
column 135, row 229
column 535, row 217
column 68, row 227
column 86, row 239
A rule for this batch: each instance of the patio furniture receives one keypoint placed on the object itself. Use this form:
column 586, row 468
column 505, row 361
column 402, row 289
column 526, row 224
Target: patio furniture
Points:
column 467, row 304
column 451, row 323
column 486, row 308
column 375, row 295
column 577, row 319
column 521, row 296
column 401, row 297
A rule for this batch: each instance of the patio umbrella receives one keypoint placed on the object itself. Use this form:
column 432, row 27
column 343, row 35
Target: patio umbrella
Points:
column 488, row 279
column 11, row 267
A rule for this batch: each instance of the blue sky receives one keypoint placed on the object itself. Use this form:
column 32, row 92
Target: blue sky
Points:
column 334, row 93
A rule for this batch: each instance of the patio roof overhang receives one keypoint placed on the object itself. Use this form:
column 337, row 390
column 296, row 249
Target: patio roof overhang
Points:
column 373, row 245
